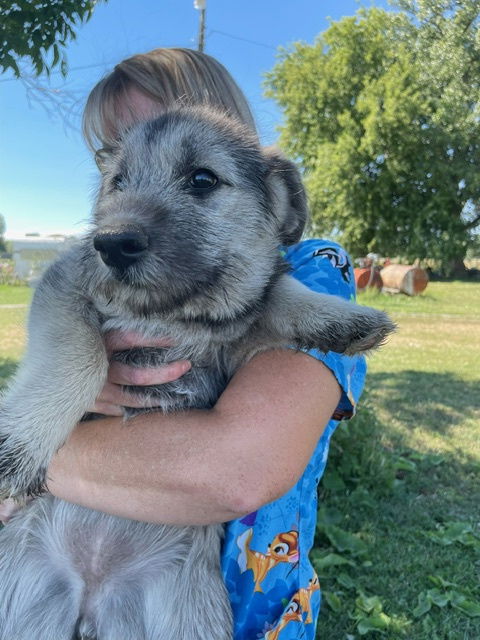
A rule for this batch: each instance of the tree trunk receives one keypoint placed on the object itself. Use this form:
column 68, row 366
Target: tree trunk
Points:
column 457, row 269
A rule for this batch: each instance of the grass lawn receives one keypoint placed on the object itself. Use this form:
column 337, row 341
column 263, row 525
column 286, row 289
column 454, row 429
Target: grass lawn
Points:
column 401, row 497
column 398, row 539
column 12, row 327
column 14, row 295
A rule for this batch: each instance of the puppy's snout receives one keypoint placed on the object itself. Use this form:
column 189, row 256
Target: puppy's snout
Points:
column 121, row 248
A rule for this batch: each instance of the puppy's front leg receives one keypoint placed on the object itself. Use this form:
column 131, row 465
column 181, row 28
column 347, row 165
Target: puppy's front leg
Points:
column 298, row 316
column 63, row 371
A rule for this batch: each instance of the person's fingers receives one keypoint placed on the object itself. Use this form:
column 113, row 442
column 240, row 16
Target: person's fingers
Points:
column 107, row 409
column 127, row 400
column 113, row 398
column 123, row 340
column 119, row 373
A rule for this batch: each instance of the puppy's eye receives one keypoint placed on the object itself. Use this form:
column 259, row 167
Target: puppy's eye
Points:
column 203, row 179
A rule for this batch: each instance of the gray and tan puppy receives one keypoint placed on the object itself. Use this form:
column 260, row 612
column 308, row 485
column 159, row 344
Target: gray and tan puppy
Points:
column 184, row 244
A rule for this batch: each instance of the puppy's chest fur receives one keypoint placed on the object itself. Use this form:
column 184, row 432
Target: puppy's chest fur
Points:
column 199, row 388
column 215, row 353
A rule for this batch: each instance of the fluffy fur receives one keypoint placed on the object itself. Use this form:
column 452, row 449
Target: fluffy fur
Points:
column 198, row 210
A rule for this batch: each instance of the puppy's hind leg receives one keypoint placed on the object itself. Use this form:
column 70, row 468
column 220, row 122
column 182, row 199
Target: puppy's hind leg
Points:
column 193, row 610
column 51, row 617
column 193, row 604
column 120, row 616
column 38, row 601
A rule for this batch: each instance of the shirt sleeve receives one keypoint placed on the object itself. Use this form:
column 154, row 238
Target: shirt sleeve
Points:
column 326, row 268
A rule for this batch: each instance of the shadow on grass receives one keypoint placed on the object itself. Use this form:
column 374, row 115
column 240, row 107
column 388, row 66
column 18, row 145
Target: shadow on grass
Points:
column 438, row 401
column 393, row 499
column 7, row 369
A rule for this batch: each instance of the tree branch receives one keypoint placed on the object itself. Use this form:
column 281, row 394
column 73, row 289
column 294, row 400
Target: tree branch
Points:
column 473, row 223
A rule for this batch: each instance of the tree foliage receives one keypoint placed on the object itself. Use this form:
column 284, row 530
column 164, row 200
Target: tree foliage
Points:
column 382, row 111
column 3, row 227
column 38, row 31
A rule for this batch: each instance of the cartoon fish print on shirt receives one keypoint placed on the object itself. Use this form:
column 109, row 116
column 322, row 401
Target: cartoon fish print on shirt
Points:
column 283, row 548
column 305, row 596
column 298, row 606
column 293, row 613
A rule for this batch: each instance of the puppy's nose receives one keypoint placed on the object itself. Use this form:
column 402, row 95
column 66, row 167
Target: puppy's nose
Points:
column 122, row 247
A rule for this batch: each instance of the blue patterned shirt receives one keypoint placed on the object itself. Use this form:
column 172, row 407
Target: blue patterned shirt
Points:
column 273, row 588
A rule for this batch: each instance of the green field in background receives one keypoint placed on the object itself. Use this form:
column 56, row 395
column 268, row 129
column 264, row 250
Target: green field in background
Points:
column 398, row 541
column 402, row 482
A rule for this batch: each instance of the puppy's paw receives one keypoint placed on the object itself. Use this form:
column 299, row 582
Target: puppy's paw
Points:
column 359, row 331
column 21, row 475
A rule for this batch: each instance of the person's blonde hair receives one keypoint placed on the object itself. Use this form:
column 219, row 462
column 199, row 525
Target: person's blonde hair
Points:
column 168, row 77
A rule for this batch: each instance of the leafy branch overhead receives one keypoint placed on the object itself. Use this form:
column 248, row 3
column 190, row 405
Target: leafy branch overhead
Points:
column 38, row 32
column 382, row 112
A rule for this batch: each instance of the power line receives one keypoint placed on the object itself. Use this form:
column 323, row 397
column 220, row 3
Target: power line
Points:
column 230, row 35
column 109, row 64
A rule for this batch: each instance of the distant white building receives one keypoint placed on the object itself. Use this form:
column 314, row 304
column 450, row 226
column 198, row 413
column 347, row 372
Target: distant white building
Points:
column 31, row 255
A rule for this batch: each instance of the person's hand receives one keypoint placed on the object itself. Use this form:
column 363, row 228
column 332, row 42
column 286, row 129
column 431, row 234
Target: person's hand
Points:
column 112, row 397
column 7, row 509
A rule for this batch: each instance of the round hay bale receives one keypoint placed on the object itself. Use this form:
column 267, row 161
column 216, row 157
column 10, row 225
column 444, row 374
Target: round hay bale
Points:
column 405, row 278
column 367, row 277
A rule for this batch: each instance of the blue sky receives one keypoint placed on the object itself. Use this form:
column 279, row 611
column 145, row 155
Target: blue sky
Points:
column 47, row 178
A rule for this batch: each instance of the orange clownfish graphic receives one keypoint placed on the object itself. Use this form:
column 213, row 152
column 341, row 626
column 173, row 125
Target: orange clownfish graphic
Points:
column 283, row 548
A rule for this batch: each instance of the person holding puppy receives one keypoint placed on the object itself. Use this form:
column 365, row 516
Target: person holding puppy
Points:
column 254, row 460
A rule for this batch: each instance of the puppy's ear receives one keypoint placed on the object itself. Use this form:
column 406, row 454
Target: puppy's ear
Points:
column 288, row 196
column 102, row 158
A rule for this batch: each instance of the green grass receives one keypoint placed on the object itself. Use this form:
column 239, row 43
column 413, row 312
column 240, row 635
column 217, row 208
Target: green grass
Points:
column 425, row 382
column 399, row 473
column 12, row 340
column 12, row 327
column 405, row 469
column 14, row 295
column 457, row 298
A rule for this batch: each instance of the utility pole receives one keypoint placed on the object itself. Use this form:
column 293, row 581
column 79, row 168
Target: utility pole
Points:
column 201, row 5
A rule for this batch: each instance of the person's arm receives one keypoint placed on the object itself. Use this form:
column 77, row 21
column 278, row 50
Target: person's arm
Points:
column 201, row 467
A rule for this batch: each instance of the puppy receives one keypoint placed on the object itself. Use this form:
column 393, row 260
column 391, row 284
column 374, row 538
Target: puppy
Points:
column 184, row 243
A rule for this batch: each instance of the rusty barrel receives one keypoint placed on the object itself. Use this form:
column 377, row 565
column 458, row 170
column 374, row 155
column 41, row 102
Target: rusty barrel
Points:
column 365, row 277
column 405, row 278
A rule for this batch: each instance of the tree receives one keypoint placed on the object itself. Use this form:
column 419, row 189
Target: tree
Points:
column 3, row 227
column 38, row 31
column 382, row 112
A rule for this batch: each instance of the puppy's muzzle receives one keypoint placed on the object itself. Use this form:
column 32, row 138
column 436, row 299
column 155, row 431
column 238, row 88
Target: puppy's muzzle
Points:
column 121, row 247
